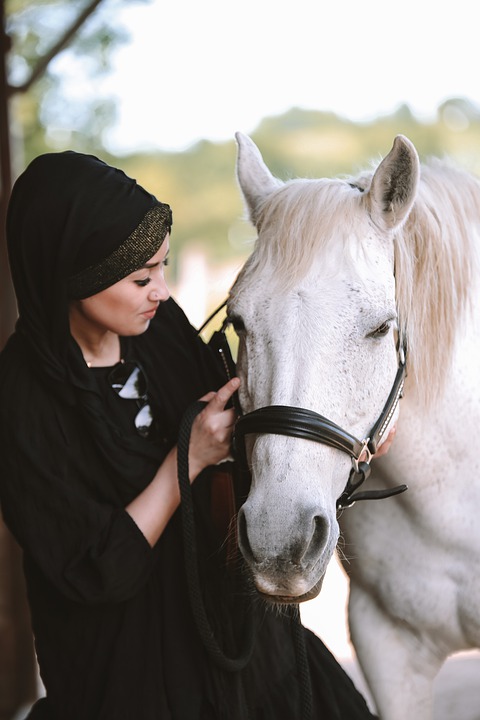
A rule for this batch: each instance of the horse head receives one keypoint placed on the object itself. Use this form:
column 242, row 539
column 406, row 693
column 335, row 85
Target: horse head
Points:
column 315, row 310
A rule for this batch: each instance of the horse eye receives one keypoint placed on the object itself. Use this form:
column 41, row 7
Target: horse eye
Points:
column 237, row 323
column 381, row 330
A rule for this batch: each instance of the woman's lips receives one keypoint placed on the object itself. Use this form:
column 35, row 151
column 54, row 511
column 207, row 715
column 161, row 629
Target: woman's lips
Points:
column 149, row 314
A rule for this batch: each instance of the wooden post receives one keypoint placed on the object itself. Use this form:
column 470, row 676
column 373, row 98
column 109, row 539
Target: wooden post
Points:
column 17, row 659
column 7, row 298
column 18, row 671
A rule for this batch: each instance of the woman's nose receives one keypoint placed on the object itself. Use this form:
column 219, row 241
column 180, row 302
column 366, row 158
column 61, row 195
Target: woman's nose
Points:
column 160, row 292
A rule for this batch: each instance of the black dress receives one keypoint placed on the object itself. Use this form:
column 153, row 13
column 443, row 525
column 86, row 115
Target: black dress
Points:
column 114, row 631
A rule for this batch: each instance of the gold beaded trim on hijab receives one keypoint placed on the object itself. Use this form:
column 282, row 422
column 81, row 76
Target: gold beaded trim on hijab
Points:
column 132, row 254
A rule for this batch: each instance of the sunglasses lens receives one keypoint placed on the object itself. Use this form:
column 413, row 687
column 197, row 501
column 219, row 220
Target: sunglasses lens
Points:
column 130, row 383
column 132, row 386
column 144, row 420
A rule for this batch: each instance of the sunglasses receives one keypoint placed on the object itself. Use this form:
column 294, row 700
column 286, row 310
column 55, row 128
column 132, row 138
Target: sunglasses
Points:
column 129, row 381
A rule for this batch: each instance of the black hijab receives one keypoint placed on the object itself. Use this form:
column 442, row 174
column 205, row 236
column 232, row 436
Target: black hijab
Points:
column 68, row 211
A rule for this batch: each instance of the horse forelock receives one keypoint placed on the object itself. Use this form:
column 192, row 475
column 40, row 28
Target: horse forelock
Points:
column 298, row 222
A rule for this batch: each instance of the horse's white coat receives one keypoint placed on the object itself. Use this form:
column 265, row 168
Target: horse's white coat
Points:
column 318, row 301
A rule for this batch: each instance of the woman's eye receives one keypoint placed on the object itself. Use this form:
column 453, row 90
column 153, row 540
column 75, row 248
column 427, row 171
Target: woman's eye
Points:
column 166, row 262
column 143, row 283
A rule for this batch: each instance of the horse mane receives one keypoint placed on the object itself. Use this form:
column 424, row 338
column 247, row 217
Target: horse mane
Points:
column 436, row 252
column 436, row 259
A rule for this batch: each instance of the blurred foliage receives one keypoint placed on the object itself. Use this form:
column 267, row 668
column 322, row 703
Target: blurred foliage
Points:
column 59, row 108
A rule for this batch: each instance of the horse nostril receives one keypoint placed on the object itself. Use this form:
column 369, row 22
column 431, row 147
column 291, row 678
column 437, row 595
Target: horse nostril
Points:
column 318, row 539
column 243, row 540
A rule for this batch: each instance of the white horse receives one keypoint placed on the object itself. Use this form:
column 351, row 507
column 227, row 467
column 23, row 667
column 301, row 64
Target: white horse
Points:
column 343, row 270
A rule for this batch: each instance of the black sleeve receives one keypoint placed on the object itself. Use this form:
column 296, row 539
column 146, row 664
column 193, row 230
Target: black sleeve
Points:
column 90, row 550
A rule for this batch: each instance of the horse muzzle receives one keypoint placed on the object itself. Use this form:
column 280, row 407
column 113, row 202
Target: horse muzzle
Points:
column 288, row 560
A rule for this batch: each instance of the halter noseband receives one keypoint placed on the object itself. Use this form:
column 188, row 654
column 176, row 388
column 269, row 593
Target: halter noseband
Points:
column 309, row 425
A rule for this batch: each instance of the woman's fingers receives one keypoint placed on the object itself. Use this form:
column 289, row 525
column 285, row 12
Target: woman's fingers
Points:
column 214, row 414
column 223, row 395
column 212, row 429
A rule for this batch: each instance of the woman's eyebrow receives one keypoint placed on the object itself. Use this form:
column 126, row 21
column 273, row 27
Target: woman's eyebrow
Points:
column 147, row 266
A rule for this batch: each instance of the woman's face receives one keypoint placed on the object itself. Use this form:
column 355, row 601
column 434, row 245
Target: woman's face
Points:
column 126, row 307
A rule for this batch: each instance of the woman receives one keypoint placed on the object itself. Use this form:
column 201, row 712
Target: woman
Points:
column 93, row 385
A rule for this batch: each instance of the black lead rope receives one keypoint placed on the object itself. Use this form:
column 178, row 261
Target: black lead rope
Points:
column 303, row 668
column 202, row 622
column 204, row 628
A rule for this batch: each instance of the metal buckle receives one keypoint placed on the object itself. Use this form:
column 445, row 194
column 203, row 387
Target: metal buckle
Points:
column 368, row 456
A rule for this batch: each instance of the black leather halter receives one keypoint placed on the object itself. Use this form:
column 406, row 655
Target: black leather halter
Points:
column 309, row 425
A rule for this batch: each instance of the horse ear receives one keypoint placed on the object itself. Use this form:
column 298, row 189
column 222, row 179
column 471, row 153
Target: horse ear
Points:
column 255, row 179
column 394, row 185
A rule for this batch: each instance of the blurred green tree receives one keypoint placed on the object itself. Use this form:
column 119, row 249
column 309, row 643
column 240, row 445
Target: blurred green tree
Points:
column 59, row 51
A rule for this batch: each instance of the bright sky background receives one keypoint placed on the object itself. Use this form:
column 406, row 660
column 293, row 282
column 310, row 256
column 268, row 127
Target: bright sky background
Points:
column 206, row 69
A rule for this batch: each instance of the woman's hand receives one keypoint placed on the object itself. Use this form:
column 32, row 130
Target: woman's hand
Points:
column 209, row 444
column 211, row 436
